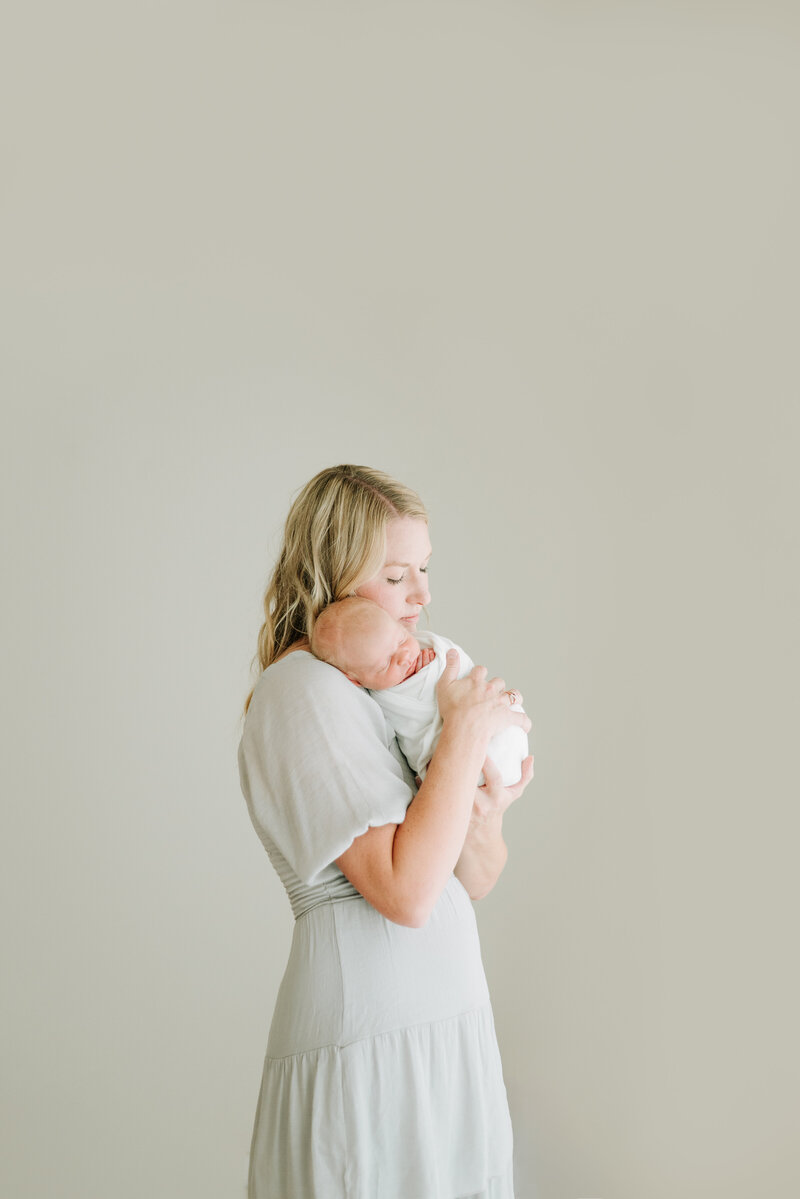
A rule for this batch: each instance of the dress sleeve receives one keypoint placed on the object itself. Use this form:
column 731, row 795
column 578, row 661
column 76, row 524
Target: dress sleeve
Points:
column 315, row 764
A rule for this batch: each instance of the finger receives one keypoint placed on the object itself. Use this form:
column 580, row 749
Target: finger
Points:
column 498, row 685
column 491, row 773
column 514, row 696
column 527, row 774
column 450, row 667
column 479, row 673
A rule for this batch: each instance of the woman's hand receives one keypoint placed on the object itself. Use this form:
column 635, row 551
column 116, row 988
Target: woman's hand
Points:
column 493, row 799
column 484, row 705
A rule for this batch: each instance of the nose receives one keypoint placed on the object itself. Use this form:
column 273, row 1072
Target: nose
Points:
column 420, row 594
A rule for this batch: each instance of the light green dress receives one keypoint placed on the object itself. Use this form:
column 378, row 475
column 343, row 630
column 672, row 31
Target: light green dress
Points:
column 382, row 1077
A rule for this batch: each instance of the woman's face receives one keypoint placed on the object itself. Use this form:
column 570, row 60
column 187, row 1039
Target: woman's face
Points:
column 401, row 586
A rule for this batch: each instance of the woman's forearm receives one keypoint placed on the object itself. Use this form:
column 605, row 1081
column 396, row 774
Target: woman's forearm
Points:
column 429, row 842
column 402, row 869
column 483, row 856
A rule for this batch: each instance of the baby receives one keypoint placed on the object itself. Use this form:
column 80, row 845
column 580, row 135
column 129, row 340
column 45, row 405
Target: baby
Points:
column 401, row 672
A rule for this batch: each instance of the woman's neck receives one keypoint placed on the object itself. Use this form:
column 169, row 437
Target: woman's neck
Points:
column 301, row 644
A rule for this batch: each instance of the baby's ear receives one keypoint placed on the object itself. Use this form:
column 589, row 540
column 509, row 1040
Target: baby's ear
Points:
column 351, row 677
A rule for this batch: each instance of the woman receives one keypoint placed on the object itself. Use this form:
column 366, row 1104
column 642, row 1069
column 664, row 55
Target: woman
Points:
column 382, row 1078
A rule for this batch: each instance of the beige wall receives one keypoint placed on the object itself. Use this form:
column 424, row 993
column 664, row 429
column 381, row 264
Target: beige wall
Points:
column 540, row 262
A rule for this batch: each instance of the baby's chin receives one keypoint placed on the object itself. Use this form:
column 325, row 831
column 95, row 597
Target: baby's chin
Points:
column 370, row 684
column 380, row 684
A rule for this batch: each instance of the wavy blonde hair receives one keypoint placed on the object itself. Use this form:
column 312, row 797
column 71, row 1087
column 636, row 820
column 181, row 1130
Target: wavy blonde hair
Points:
column 333, row 542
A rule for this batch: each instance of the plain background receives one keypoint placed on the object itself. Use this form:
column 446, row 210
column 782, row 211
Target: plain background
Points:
column 541, row 263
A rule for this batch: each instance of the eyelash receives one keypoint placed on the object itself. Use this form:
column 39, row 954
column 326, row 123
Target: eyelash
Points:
column 423, row 570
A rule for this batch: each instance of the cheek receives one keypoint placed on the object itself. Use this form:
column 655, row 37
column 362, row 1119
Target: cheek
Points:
column 368, row 590
column 383, row 594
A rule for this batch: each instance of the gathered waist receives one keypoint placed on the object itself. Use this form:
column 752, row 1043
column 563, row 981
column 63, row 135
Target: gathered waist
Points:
column 304, row 899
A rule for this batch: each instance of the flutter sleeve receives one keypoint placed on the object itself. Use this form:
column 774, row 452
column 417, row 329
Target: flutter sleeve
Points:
column 316, row 764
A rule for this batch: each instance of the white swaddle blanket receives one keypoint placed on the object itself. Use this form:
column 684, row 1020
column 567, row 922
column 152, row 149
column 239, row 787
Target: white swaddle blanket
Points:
column 413, row 713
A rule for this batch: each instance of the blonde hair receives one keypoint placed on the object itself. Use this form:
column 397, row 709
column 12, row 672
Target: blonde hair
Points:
column 334, row 541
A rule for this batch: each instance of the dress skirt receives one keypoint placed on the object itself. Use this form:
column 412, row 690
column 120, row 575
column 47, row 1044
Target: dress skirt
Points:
column 382, row 1078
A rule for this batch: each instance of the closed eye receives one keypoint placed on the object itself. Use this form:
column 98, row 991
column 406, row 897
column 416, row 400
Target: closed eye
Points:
column 423, row 570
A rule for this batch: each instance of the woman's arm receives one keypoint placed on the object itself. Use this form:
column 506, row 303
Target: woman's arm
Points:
column 484, row 853
column 403, row 869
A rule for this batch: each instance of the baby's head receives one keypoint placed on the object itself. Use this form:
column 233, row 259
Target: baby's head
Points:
column 361, row 639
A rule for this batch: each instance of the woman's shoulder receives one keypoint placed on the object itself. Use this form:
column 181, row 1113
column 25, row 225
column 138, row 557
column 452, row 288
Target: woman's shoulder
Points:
column 300, row 673
column 300, row 686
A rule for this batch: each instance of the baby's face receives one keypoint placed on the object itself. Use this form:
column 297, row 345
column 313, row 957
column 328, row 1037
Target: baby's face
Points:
column 383, row 654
